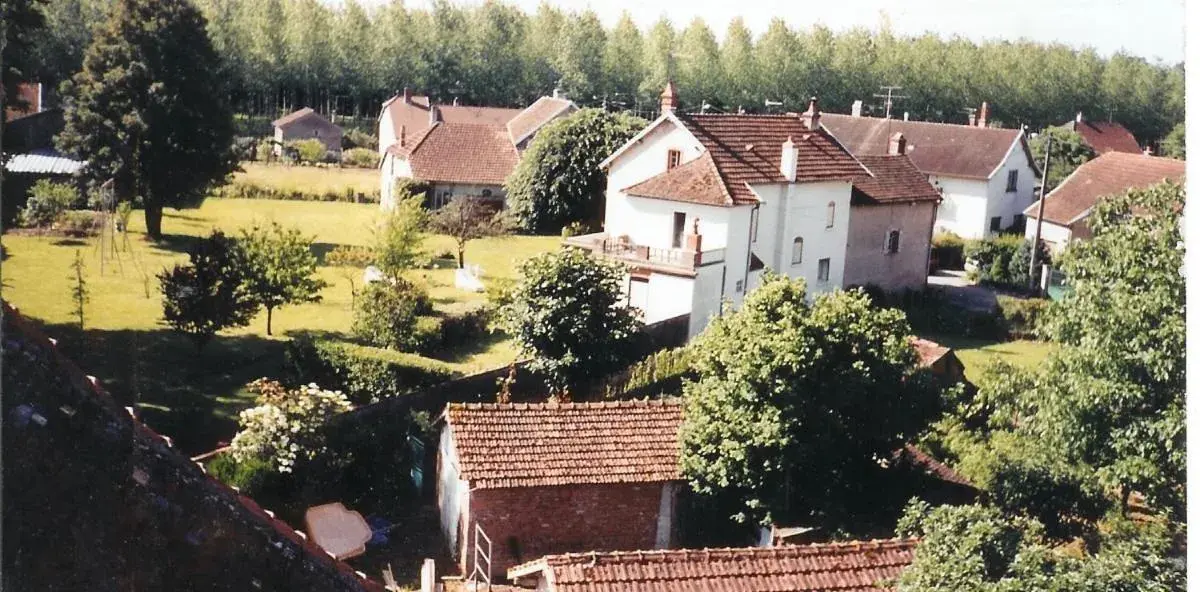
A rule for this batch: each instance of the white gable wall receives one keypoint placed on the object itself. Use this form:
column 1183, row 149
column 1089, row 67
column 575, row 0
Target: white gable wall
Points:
column 387, row 132
column 453, row 494
column 968, row 205
column 641, row 161
column 1007, row 205
column 799, row 210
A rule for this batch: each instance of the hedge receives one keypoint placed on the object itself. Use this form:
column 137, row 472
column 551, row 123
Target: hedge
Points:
column 947, row 251
column 1021, row 315
column 365, row 374
column 243, row 190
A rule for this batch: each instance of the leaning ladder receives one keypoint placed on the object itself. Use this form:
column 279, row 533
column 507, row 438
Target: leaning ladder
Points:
column 483, row 560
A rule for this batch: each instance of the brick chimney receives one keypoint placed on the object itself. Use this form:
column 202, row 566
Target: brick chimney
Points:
column 856, row 109
column 787, row 162
column 669, row 98
column 693, row 241
column 435, row 114
column 812, row 117
column 407, row 96
column 983, row 115
column 897, row 144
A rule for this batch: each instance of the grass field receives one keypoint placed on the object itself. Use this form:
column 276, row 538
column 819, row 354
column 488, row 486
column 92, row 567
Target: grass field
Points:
column 195, row 397
column 308, row 178
column 977, row 354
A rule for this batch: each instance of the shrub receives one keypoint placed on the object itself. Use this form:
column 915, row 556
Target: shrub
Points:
column 386, row 314
column 265, row 150
column 360, row 157
column 359, row 139
column 349, row 256
column 48, row 201
column 310, row 150
column 252, row 476
column 1021, row 315
column 366, row 374
column 1003, row 260
column 78, row 222
column 286, row 428
column 427, row 334
column 466, row 326
column 947, row 251
column 574, row 229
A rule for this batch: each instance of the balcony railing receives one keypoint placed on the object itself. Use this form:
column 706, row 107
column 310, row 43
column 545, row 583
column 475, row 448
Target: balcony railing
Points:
column 624, row 250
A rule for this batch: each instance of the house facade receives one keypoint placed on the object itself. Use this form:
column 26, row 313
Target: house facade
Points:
column 456, row 150
column 698, row 206
column 1068, row 206
column 987, row 176
column 307, row 124
column 535, row 479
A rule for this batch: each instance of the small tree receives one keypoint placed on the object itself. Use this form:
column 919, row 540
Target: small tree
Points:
column 1174, row 145
column 210, row 293
column 79, row 291
column 350, row 261
column 567, row 312
column 399, row 237
column 468, row 218
column 385, row 314
column 286, row 428
column 310, row 150
column 789, row 390
column 47, row 202
column 281, row 268
column 559, row 180
column 1066, row 154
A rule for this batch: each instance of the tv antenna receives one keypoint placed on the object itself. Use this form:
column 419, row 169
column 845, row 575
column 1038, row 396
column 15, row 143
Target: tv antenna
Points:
column 889, row 98
column 768, row 103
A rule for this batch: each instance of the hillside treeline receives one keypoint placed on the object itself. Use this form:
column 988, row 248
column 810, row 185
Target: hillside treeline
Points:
column 347, row 58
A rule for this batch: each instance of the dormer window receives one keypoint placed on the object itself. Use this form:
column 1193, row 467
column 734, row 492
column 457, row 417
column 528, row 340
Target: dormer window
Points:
column 672, row 159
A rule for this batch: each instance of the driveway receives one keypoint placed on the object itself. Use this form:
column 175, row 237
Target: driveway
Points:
column 961, row 293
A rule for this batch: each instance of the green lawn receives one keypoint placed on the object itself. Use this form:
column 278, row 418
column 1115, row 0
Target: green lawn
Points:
column 309, row 178
column 195, row 397
column 977, row 354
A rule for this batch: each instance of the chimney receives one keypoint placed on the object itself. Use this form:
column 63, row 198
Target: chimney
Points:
column 856, row 109
column 812, row 117
column 897, row 144
column 1148, row 151
column 435, row 114
column 983, row 115
column 407, row 96
column 669, row 98
column 906, row 116
column 1079, row 117
column 455, row 101
column 787, row 162
column 693, row 240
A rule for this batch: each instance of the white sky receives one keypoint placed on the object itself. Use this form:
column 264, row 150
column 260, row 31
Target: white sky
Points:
column 1153, row 29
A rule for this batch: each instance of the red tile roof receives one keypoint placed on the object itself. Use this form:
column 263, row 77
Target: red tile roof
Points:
column 460, row 153
column 92, row 477
column 916, row 458
column 1108, row 174
column 747, row 149
column 936, row 148
column 302, row 114
column 414, row 116
column 541, row 112
column 532, row 445
column 896, row 179
column 928, row 352
column 852, row 566
column 695, row 181
column 1106, row 136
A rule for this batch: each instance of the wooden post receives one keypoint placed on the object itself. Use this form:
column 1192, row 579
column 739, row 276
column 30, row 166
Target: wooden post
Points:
column 1037, row 233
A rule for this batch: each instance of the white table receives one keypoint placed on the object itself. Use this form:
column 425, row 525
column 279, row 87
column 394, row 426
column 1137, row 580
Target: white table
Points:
column 343, row 533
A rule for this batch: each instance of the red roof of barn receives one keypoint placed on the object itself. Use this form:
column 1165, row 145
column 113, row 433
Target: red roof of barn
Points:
column 95, row 478
column 300, row 115
column 747, row 149
column 414, row 116
column 1108, row 174
column 936, row 148
column 895, row 179
column 460, row 153
column 543, row 444
column 850, row 566
column 525, row 123
column 1106, row 136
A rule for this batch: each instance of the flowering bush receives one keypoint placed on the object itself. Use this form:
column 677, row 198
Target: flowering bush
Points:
column 287, row 425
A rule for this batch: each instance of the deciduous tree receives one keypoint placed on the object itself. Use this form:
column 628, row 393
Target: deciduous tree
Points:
column 468, row 218
column 210, row 293
column 1067, row 152
column 399, row 237
column 281, row 268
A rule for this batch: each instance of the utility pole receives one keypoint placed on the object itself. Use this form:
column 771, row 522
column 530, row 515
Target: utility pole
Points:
column 888, row 99
column 1037, row 233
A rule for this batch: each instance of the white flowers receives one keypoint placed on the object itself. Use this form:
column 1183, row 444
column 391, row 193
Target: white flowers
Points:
column 288, row 427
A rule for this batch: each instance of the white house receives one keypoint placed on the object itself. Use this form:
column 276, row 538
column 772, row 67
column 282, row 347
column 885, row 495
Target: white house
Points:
column 457, row 150
column 987, row 176
column 698, row 205
column 1068, row 205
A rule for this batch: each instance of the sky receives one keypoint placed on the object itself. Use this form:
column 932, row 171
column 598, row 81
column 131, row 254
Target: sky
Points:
column 1152, row 29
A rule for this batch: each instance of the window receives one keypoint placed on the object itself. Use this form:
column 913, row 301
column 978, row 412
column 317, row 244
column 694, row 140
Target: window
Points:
column 995, row 227
column 1012, row 182
column 829, row 212
column 738, row 286
column 754, row 225
column 823, row 270
column 1019, row 222
column 443, row 199
column 677, row 232
column 797, row 251
column 892, row 245
column 487, row 193
column 672, row 159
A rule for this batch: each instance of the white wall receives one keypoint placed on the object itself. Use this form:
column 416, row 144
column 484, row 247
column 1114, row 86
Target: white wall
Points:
column 641, row 161
column 387, row 133
column 651, row 222
column 453, row 495
column 391, row 168
column 1054, row 235
column 799, row 210
column 1007, row 204
column 964, row 206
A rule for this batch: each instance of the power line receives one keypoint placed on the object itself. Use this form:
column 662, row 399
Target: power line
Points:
column 889, row 98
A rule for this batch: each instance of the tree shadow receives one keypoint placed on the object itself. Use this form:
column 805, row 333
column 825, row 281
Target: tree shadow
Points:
column 192, row 397
column 173, row 243
column 69, row 242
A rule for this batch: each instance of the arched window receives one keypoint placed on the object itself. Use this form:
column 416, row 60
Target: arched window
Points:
column 797, row 250
column 892, row 245
column 830, row 210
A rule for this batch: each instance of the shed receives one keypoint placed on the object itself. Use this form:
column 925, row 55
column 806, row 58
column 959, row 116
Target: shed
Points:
column 550, row 478
column 307, row 124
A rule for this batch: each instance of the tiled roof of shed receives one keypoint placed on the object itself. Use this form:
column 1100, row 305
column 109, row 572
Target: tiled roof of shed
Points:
column 747, row 149
column 850, row 566
column 300, row 115
column 936, row 148
column 535, row 116
column 1108, row 174
column 137, row 513
column 896, row 179
column 1106, row 136
column 531, row 445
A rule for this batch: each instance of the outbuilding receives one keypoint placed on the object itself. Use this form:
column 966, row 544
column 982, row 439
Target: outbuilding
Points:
column 307, row 124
